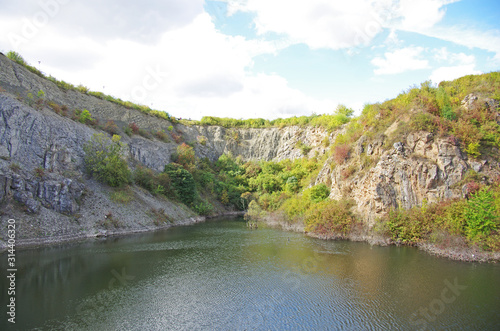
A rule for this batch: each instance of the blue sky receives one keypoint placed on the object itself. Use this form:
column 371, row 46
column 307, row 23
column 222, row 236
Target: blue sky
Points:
column 254, row 58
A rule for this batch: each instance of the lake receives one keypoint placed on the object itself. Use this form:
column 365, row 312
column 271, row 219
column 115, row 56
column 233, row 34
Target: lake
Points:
column 220, row 275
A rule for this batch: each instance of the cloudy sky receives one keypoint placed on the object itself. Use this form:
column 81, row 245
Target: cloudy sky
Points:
column 253, row 58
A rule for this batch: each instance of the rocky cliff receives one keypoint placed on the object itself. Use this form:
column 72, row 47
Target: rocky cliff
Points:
column 43, row 186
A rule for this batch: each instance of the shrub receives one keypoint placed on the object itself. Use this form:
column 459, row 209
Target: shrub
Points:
column 122, row 196
column 40, row 172
column 85, row 117
column 111, row 128
column 423, row 122
column 348, row 172
column 144, row 177
column 330, row 217
column 16, row 57
column 473, row 149
column 182, row 182
column 177, row 137
column 254, row 212
column 202, row 140
column 134, row 128
column 295, row 207
column 57, row 109
column 480, row 214
column 408, row 226
column 185, row 156
column 104, row 161
column 161, row 135
column 341, row 153
column 203, row 208
column 317, row 193
column 128, row 131
column 82, row 89
column 292, row 184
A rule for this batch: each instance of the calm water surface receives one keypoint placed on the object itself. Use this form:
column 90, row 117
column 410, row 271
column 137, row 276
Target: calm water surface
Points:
column 221, row 276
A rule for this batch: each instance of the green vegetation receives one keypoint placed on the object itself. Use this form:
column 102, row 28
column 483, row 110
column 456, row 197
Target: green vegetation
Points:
column 103, row 160
column 476, row 219
column 182, row 182
column 331, row 122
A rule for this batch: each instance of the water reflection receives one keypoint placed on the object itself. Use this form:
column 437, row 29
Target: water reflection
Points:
column 220, row 275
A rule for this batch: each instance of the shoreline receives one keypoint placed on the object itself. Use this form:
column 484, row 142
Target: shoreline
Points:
column 104, row 234
column 463, row 254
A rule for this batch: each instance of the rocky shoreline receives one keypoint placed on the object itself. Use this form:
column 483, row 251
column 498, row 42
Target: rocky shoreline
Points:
column 30, row 243
column 464, row 254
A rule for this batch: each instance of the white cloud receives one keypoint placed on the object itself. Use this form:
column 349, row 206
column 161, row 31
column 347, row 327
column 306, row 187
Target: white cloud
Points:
column 453, row 72
column 459, row 64
column 339, row 24
column 346, row 24
column 399, row 61
column 317, row 23
column 469, row 37
column 133, row 20
column 419, row 15
column 191, row 71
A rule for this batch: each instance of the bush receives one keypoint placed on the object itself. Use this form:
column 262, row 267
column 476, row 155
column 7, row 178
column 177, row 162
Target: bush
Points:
column 85, row 117
column 202, row 140
column 341, row 153
column 122, row 196
column 111, row 128
column 480, row 214
column 330, row 217
column 408, row 226
column 185, row 156
column 104, row 161
column 144, row 177
column 16, row 57
column 182, row 182
column 128, row 131
column 203, row 208
column 423, row 122
column 134, row 128
column 161, row 135
column 177, row 137
column 317, row 193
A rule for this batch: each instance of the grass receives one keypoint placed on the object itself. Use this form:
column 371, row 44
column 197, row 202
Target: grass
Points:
column 123, row 196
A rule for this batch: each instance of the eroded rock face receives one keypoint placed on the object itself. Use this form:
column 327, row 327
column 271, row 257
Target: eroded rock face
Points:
column 421, row 168
column 59, row 195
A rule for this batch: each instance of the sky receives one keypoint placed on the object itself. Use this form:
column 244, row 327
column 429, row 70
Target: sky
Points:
column 253, row 58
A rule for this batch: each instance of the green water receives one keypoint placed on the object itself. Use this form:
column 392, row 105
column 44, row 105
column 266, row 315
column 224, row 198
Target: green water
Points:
column 220, row 275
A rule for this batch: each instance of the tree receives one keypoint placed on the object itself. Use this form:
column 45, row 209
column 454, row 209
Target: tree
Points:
column 182, row 181
column 317, row 193
column 185, row 156
column 480, row 214
column 103, row 160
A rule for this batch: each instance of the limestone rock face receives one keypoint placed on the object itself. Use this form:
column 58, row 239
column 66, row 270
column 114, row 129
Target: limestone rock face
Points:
column 422, row 168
